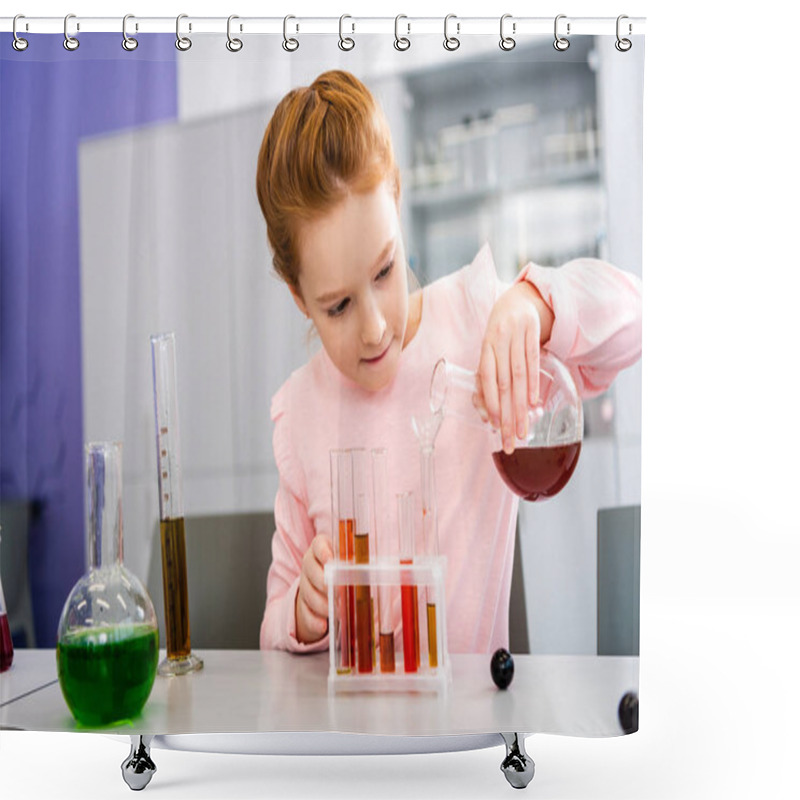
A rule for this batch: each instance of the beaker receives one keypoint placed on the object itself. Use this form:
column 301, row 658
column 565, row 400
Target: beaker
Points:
column 6, row 645
column 544, row 459
column 179, row 659
column 107, row 648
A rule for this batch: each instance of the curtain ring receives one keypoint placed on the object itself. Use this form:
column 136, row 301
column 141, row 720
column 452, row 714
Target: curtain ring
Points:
column 128, row 42
column 183, row 43
column 623, row 45
column 401, row 42
column 507, row 42
column 345, row 42
column 289, row 44
column 233, row 45
column 70, row 42
column 561, row 43
column 18, row 43
column 451, row 42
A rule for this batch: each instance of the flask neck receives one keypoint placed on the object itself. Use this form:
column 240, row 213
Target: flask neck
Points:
column 104, row 503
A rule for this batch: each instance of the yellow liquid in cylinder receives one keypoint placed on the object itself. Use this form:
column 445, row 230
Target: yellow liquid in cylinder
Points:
column 176, row 593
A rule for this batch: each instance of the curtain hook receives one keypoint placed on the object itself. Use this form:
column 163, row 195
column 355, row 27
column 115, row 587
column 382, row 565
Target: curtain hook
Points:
column 128, row 42
column 183, row 43
column 451, row 42
column 401, row 42
column 561, row 43
column 289, row 44
column 70, row 42
column 233, row 45
column 507, row 42
column 345, row 42
column 18, row 43
column 623, row 45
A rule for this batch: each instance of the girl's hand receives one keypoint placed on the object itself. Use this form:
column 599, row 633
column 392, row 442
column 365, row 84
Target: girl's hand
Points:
column 508, row 374
column 311, row 605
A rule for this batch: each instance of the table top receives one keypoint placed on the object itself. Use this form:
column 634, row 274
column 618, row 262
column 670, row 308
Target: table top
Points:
column 250, row 691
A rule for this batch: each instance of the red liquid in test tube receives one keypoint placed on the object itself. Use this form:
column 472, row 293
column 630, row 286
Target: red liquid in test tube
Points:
column 408, row 592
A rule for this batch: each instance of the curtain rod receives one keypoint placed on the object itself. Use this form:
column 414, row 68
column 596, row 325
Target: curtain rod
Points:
column 406, row 26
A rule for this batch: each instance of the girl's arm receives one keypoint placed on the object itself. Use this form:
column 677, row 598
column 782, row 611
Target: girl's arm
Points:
column 293, row 535
column 597, row 326
column 293, row 538
column 587, row 313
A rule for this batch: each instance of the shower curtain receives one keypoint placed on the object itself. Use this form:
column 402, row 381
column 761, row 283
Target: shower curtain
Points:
column 128, row 207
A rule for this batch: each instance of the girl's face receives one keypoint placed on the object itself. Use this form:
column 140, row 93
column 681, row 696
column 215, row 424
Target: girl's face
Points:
column 353, row 285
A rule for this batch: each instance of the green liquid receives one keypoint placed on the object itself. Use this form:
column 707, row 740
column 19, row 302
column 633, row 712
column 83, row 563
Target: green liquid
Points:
column 106, row 674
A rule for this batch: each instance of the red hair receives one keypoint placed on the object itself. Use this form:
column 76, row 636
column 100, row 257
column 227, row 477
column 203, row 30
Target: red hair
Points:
column 323, row 141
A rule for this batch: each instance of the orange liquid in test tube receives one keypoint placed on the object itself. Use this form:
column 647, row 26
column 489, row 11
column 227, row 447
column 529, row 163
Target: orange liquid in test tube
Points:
column 348, row 611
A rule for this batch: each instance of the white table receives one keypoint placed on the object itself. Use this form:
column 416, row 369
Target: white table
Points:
column 262, row 701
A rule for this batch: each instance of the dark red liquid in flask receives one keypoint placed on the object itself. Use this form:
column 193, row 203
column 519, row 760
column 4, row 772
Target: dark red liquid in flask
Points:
column 536, row 473
column 6, row 646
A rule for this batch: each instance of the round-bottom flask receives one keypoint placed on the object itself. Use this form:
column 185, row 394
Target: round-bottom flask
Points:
column 6, row 645
column 107, row 650
column 542, row 461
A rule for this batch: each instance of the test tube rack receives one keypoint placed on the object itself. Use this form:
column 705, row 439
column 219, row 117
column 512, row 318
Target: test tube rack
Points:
column 427, row 575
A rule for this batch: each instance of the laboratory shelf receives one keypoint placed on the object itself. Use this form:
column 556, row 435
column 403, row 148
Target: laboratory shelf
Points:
column 440, row 198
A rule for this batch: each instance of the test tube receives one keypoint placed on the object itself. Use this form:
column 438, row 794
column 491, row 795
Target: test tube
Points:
column 408, row 589
column 426, row 428
column 180, row 659
column 386, row 594
column 364, row 618
column 362, row 475
column 343, row 523
column 430, row 537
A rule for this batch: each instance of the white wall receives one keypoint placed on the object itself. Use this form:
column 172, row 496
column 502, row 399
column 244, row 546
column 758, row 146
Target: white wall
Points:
column 559, row 538
column 172, row 239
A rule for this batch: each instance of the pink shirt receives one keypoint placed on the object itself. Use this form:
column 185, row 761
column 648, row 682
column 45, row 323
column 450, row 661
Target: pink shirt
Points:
column 596, row 332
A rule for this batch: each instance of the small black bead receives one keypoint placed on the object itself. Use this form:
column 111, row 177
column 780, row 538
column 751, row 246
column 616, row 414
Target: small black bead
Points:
column 502, row 668
column 628, row 712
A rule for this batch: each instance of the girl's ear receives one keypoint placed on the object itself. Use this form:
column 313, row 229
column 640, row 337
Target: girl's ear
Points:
column 299, row 301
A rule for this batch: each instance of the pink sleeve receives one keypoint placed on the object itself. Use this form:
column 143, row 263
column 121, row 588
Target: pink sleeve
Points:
column 481, row 285
column 293, row 534
column 598, row 318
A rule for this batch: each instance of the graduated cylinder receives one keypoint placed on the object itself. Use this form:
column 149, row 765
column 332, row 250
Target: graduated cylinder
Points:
column 179, row 660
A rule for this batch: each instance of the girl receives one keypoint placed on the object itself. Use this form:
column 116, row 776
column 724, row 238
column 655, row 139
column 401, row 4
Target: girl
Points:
column 329, row 189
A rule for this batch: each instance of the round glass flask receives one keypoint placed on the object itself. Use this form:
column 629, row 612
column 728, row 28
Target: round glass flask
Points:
column 107, row 649
column 6, row 645
column 544, row 459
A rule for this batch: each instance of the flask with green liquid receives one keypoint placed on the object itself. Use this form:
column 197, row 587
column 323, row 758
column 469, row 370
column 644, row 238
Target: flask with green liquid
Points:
column 107, row 648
